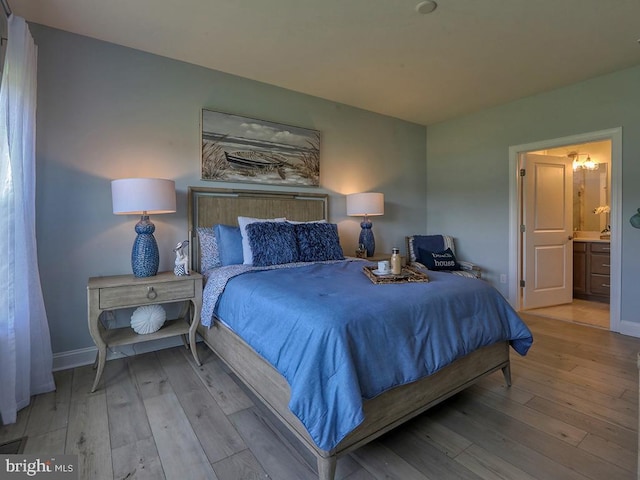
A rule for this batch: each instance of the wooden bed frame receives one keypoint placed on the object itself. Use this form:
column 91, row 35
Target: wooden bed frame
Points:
column 208, row 206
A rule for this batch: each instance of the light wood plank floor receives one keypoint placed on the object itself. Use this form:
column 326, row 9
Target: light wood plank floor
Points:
column 572, row 413
column 578, row 311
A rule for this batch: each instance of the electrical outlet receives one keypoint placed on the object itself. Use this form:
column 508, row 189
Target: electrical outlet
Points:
column 503, row 278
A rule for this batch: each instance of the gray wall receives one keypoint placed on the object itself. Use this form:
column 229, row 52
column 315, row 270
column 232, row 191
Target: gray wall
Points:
column 468, row 168
column 107, row 112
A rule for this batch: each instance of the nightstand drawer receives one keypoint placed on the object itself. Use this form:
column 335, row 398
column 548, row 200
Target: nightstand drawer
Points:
column 122, row 296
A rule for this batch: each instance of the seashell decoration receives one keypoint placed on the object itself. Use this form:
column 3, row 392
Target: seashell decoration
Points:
column 148, row 319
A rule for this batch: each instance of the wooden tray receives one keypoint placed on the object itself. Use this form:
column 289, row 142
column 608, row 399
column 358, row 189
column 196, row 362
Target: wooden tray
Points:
column 409, row 274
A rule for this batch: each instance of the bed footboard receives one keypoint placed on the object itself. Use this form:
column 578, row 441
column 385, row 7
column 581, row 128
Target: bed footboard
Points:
column 382, row 413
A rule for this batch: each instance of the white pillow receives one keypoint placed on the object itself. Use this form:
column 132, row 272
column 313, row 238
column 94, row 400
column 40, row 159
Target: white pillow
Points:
column 293, row 222
column 246, row 248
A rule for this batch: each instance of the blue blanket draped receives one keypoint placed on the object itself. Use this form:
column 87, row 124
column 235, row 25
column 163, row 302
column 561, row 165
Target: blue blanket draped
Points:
column 338, row 339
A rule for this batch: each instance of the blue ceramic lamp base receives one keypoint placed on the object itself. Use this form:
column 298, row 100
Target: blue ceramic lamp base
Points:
column 145, row 257
column 366, row 237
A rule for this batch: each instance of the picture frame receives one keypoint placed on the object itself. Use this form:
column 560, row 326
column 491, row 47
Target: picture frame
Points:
column 248, row 150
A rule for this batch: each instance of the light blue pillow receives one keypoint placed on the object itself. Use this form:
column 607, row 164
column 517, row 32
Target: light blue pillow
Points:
column 229, row 244
column 272, row 243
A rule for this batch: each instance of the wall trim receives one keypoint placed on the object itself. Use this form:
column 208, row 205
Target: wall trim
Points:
column 629, row 328
column 86, row 356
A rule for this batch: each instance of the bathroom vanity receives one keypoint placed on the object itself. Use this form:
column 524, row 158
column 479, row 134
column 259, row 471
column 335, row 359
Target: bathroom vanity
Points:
column 591, row 269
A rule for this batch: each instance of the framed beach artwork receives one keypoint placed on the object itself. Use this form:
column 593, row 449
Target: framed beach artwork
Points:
column 241, row 149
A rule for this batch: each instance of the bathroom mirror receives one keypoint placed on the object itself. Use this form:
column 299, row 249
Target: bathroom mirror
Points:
column 590, row 191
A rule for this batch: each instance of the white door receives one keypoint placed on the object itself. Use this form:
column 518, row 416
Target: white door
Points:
column 547, row 238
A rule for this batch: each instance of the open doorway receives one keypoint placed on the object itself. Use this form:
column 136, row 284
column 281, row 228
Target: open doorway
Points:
column 593, row 216
column 588, row 281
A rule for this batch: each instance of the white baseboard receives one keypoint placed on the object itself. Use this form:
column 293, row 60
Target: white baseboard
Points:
column 86, row 356
column 630, row 328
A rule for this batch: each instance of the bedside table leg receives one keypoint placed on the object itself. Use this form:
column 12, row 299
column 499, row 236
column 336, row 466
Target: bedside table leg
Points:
column 102, row 357
column 93, row 317
column 192, row 331
column 192, row 345
column 185, row 313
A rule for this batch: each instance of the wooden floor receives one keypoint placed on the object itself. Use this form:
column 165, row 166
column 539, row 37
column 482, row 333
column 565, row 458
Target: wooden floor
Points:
column 578, row 311
column 572, row 413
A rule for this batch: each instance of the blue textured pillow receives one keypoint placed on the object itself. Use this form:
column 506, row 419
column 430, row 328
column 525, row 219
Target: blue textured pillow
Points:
column 229, row 241
column 272, row 243
column 438, row 260
column 247, row 254
column 318, row 242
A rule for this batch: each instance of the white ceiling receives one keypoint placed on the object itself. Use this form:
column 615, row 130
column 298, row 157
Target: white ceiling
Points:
column 380, row 55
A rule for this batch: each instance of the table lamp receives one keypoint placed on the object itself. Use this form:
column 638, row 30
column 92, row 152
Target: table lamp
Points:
column 143, row 196
column 367, row 205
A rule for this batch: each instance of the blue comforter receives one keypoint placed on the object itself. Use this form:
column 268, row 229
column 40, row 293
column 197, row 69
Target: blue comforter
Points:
column 338, row 338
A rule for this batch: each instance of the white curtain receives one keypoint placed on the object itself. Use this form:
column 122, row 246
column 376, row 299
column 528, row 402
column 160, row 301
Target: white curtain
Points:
column 25, row 346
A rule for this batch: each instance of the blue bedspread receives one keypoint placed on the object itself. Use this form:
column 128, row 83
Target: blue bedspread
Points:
column 338, row 339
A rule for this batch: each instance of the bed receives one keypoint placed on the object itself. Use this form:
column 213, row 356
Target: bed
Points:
column 382, row 407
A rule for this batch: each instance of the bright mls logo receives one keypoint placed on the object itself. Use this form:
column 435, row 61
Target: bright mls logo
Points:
column 60, row 467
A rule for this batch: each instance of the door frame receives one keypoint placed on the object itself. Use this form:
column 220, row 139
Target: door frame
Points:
column 515, row 241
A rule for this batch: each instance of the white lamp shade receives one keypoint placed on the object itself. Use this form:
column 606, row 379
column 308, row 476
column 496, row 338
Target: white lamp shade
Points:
column 360, row 204
column 139, row 195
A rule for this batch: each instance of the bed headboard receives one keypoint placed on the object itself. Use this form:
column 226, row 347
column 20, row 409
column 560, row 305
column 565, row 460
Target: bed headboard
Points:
column 208, row 206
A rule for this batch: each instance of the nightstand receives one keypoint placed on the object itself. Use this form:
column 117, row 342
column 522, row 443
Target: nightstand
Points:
column 126, row 291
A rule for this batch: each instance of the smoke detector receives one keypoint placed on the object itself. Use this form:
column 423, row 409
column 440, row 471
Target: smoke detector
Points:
column 425, row 7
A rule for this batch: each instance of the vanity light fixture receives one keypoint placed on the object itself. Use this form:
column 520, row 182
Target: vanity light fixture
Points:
column 586, row 163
